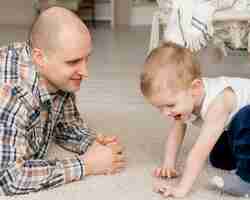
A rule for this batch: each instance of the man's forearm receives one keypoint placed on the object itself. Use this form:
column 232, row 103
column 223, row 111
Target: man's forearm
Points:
column 35, row 175
column 75, row 139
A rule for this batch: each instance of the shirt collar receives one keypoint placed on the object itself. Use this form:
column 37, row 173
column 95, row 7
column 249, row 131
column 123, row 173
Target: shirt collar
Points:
column 36, row 80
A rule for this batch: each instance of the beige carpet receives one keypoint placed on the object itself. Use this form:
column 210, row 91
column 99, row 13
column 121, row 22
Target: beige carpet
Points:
column 112, row 102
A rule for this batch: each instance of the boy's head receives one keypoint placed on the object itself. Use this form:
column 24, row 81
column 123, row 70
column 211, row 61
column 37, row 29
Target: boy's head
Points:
column 171, row 80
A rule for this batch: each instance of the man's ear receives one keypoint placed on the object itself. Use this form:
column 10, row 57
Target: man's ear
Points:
column 196, row 87
column 39, row 58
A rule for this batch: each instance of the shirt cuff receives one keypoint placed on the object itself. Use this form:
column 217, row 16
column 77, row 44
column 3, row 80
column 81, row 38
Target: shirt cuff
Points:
column 87, row 142
column 74, row 169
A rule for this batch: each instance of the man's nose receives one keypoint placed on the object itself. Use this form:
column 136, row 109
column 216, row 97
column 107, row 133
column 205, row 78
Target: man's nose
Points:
column 83, row 70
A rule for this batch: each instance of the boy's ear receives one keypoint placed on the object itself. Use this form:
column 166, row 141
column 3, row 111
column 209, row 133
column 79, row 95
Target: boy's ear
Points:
column 196, row 87
column 38, row 57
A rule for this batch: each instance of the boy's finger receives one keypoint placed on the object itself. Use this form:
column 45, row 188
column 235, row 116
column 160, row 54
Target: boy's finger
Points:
column 174, row 174
column 168, row 191
column 164, row 172
column 168, row 174
column 157, row 172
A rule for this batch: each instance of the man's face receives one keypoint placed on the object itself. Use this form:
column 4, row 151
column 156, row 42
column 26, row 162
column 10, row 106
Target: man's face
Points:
column 66, row 68
column 178, row 105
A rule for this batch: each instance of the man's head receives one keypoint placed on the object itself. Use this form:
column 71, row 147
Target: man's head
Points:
column 61, row 45
column 171, row 80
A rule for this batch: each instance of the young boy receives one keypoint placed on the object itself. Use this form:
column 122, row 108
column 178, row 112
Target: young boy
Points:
column 172, row 82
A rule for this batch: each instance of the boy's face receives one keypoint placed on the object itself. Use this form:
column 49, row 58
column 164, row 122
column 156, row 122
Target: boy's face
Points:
column 177, row 104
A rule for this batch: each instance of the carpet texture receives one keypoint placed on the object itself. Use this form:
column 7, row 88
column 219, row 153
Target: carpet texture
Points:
column 112, row 102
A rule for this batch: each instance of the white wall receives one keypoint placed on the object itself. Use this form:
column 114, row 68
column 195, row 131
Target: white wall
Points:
column 17, row 12
column 103, row 10
column 139, row 15
column 142, row 14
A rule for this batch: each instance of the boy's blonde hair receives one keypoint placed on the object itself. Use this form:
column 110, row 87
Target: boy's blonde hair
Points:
column 169, row 65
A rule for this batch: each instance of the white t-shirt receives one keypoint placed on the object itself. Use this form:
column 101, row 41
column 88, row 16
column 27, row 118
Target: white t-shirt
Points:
column 215, row 86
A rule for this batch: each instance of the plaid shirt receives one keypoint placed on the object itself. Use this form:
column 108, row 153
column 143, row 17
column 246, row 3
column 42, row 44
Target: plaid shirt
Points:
column 30, row 118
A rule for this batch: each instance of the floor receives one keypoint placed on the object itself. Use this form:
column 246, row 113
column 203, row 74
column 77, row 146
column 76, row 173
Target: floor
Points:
column 112, row 102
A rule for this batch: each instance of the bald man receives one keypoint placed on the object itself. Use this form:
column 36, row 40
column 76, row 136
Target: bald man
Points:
column 38, row 80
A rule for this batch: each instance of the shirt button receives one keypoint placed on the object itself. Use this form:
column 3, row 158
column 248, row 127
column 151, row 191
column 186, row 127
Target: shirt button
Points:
column 14, row 91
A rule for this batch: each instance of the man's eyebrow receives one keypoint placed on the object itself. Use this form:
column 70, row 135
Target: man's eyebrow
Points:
column 78, row 59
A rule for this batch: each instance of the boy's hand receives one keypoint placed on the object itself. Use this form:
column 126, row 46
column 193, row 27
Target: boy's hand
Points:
column 104, row 159
column 169, row 191
column 166, row 172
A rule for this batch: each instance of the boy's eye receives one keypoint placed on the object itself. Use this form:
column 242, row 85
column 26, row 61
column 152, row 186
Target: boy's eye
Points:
column 170, row 105
column 161, row 108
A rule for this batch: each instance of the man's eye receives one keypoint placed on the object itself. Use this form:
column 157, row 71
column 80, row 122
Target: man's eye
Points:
column 73, row 62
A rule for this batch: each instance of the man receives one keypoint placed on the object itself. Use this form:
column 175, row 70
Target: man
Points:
column 37, row 105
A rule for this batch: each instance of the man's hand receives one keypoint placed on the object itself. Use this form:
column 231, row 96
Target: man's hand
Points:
column 104, row 159
column 102, row 139
column 169, row 191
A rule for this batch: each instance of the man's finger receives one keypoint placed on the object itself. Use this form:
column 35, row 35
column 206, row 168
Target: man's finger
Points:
column 100, row 138
column 110, row 139
column 116, row 148
column 119, row 158
column 118, row 165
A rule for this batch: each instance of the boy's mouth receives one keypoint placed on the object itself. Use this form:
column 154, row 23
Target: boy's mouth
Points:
column 177, row 117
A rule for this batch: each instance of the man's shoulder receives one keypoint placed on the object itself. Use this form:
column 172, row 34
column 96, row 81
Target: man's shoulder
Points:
column 16, row 67
column 18, row 96
column 13, row 46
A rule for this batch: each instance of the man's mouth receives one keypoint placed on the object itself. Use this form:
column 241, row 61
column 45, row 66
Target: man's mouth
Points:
column 76, row 79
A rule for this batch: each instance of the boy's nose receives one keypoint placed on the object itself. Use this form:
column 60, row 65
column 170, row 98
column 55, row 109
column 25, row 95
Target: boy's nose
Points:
column 166, row 112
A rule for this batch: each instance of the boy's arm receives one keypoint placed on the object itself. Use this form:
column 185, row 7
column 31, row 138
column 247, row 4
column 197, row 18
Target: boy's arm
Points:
column 172, row 147
column 212, row 129
column 173, row 143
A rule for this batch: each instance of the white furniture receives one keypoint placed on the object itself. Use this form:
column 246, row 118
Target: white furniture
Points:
column 69, row 4
column 231, row 26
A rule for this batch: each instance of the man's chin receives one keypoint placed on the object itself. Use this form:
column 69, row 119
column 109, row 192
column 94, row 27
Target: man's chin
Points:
column 71, row 89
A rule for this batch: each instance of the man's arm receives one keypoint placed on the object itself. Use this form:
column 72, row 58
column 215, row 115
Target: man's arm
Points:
column 19, row 173
column 72, row 132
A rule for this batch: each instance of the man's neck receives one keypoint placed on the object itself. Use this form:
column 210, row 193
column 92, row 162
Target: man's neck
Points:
column 48, row 85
